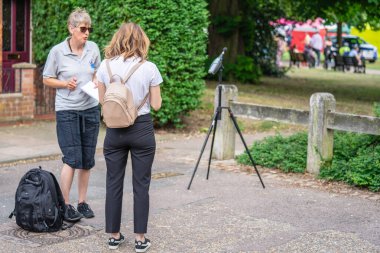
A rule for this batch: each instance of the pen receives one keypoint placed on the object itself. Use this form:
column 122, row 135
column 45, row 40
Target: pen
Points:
column 75, row 80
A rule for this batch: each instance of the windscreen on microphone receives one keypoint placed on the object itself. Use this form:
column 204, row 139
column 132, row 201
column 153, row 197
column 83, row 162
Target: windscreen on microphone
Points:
column 217, row 63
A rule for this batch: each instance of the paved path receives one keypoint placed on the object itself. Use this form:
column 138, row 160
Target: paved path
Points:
column 373, row 71
column 228, row 213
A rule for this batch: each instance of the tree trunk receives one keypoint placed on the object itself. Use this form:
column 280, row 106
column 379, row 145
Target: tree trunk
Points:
column 217, row 42
column 339, row 34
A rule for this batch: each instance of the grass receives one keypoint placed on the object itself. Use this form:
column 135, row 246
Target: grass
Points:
column 354, row 93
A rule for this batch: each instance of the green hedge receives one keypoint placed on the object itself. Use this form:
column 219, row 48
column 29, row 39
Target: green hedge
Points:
column 177, row 30
column 286, row 153
column 356, row 160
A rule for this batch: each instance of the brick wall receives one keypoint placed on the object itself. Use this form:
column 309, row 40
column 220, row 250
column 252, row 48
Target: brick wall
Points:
column 19, row 106
column 1, row 44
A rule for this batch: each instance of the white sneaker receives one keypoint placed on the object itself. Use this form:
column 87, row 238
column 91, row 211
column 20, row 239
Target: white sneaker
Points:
column 142, row 246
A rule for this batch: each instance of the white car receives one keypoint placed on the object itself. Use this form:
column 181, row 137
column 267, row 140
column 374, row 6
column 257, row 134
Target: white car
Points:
column 369, row 51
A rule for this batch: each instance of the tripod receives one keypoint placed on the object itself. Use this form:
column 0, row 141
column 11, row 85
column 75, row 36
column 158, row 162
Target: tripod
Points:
column 213, row 126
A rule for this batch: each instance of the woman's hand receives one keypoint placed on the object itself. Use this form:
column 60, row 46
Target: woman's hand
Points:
column 101, row 90
column 72, row 83
column 95, row 81
column 61, row 84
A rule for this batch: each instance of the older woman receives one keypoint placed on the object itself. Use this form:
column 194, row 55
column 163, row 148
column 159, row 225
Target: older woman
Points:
column 129, row 49
column 70, row 65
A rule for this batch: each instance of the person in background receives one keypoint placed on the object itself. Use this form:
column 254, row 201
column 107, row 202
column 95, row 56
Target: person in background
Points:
column 327, row 52
column 288, row 38
column 344, row 50
column 70, row 65
column 281, row 46
column 355, row 53
column 310, row 56
column 129, row 47
column 307, row 51
column 316, row 45
column 306, row 41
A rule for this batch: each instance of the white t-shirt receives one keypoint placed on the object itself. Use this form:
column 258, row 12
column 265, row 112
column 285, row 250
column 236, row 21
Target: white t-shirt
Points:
column 353, row 53
column 316, row 41
column 145, row 76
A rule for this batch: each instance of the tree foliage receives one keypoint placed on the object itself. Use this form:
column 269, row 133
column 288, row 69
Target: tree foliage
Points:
column 244, row 27
column 357, row 13
column 353, row 12
column 258, row 33
column 177, row 30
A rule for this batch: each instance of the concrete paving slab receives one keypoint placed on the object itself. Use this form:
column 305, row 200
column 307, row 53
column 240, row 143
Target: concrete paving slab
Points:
column 230, row 212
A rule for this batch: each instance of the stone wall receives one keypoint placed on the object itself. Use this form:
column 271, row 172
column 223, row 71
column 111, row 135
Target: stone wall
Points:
column 1, row 44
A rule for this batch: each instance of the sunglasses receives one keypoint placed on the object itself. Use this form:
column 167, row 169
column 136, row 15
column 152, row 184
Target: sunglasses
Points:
column 84, row 29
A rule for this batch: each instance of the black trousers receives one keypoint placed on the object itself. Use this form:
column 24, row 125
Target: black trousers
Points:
column 138, row 140
column 318, row 53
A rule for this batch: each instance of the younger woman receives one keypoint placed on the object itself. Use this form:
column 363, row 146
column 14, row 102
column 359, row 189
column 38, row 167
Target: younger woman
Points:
column 128, row 47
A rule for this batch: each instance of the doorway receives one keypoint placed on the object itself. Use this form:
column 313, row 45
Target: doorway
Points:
column 16, row 41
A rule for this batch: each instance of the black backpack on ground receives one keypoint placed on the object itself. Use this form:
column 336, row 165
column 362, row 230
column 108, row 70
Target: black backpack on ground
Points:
column 39, row 205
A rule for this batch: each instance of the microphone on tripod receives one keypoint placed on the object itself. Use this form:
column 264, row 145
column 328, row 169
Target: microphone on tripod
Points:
column 217, row 66
column 217, row 63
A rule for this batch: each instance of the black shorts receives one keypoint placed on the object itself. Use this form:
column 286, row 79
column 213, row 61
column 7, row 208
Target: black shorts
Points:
column 77, row 133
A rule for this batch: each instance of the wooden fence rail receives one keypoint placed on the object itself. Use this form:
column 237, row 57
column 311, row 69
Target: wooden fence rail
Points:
column 321, row 119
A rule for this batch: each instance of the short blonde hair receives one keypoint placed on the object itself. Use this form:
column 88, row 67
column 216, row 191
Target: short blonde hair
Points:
column 77, row 17
column 130, row 40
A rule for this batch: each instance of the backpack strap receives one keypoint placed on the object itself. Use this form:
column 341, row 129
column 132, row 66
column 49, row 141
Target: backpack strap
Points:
column 67, row 225
column 133, row 69
column 143, row 102
column 130, row 73
column 110, row 72
column 109, row 69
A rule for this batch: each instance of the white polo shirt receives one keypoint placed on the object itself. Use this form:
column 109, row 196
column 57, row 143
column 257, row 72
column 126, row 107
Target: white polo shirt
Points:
column 316, row 41
column 63, row 65
column 145, row 76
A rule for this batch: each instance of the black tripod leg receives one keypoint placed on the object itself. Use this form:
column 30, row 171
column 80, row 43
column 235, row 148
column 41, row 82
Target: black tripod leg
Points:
column 203, row 148
column 218, row 111
column 245, row 145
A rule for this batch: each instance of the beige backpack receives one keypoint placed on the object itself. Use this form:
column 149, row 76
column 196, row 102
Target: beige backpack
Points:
column 118, row 108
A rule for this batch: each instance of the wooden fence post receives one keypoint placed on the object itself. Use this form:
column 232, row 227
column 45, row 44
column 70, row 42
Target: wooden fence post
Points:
column 320, row 139
column 224, row 144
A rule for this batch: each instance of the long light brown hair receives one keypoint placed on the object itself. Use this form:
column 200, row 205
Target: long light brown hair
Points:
column 130, row 40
